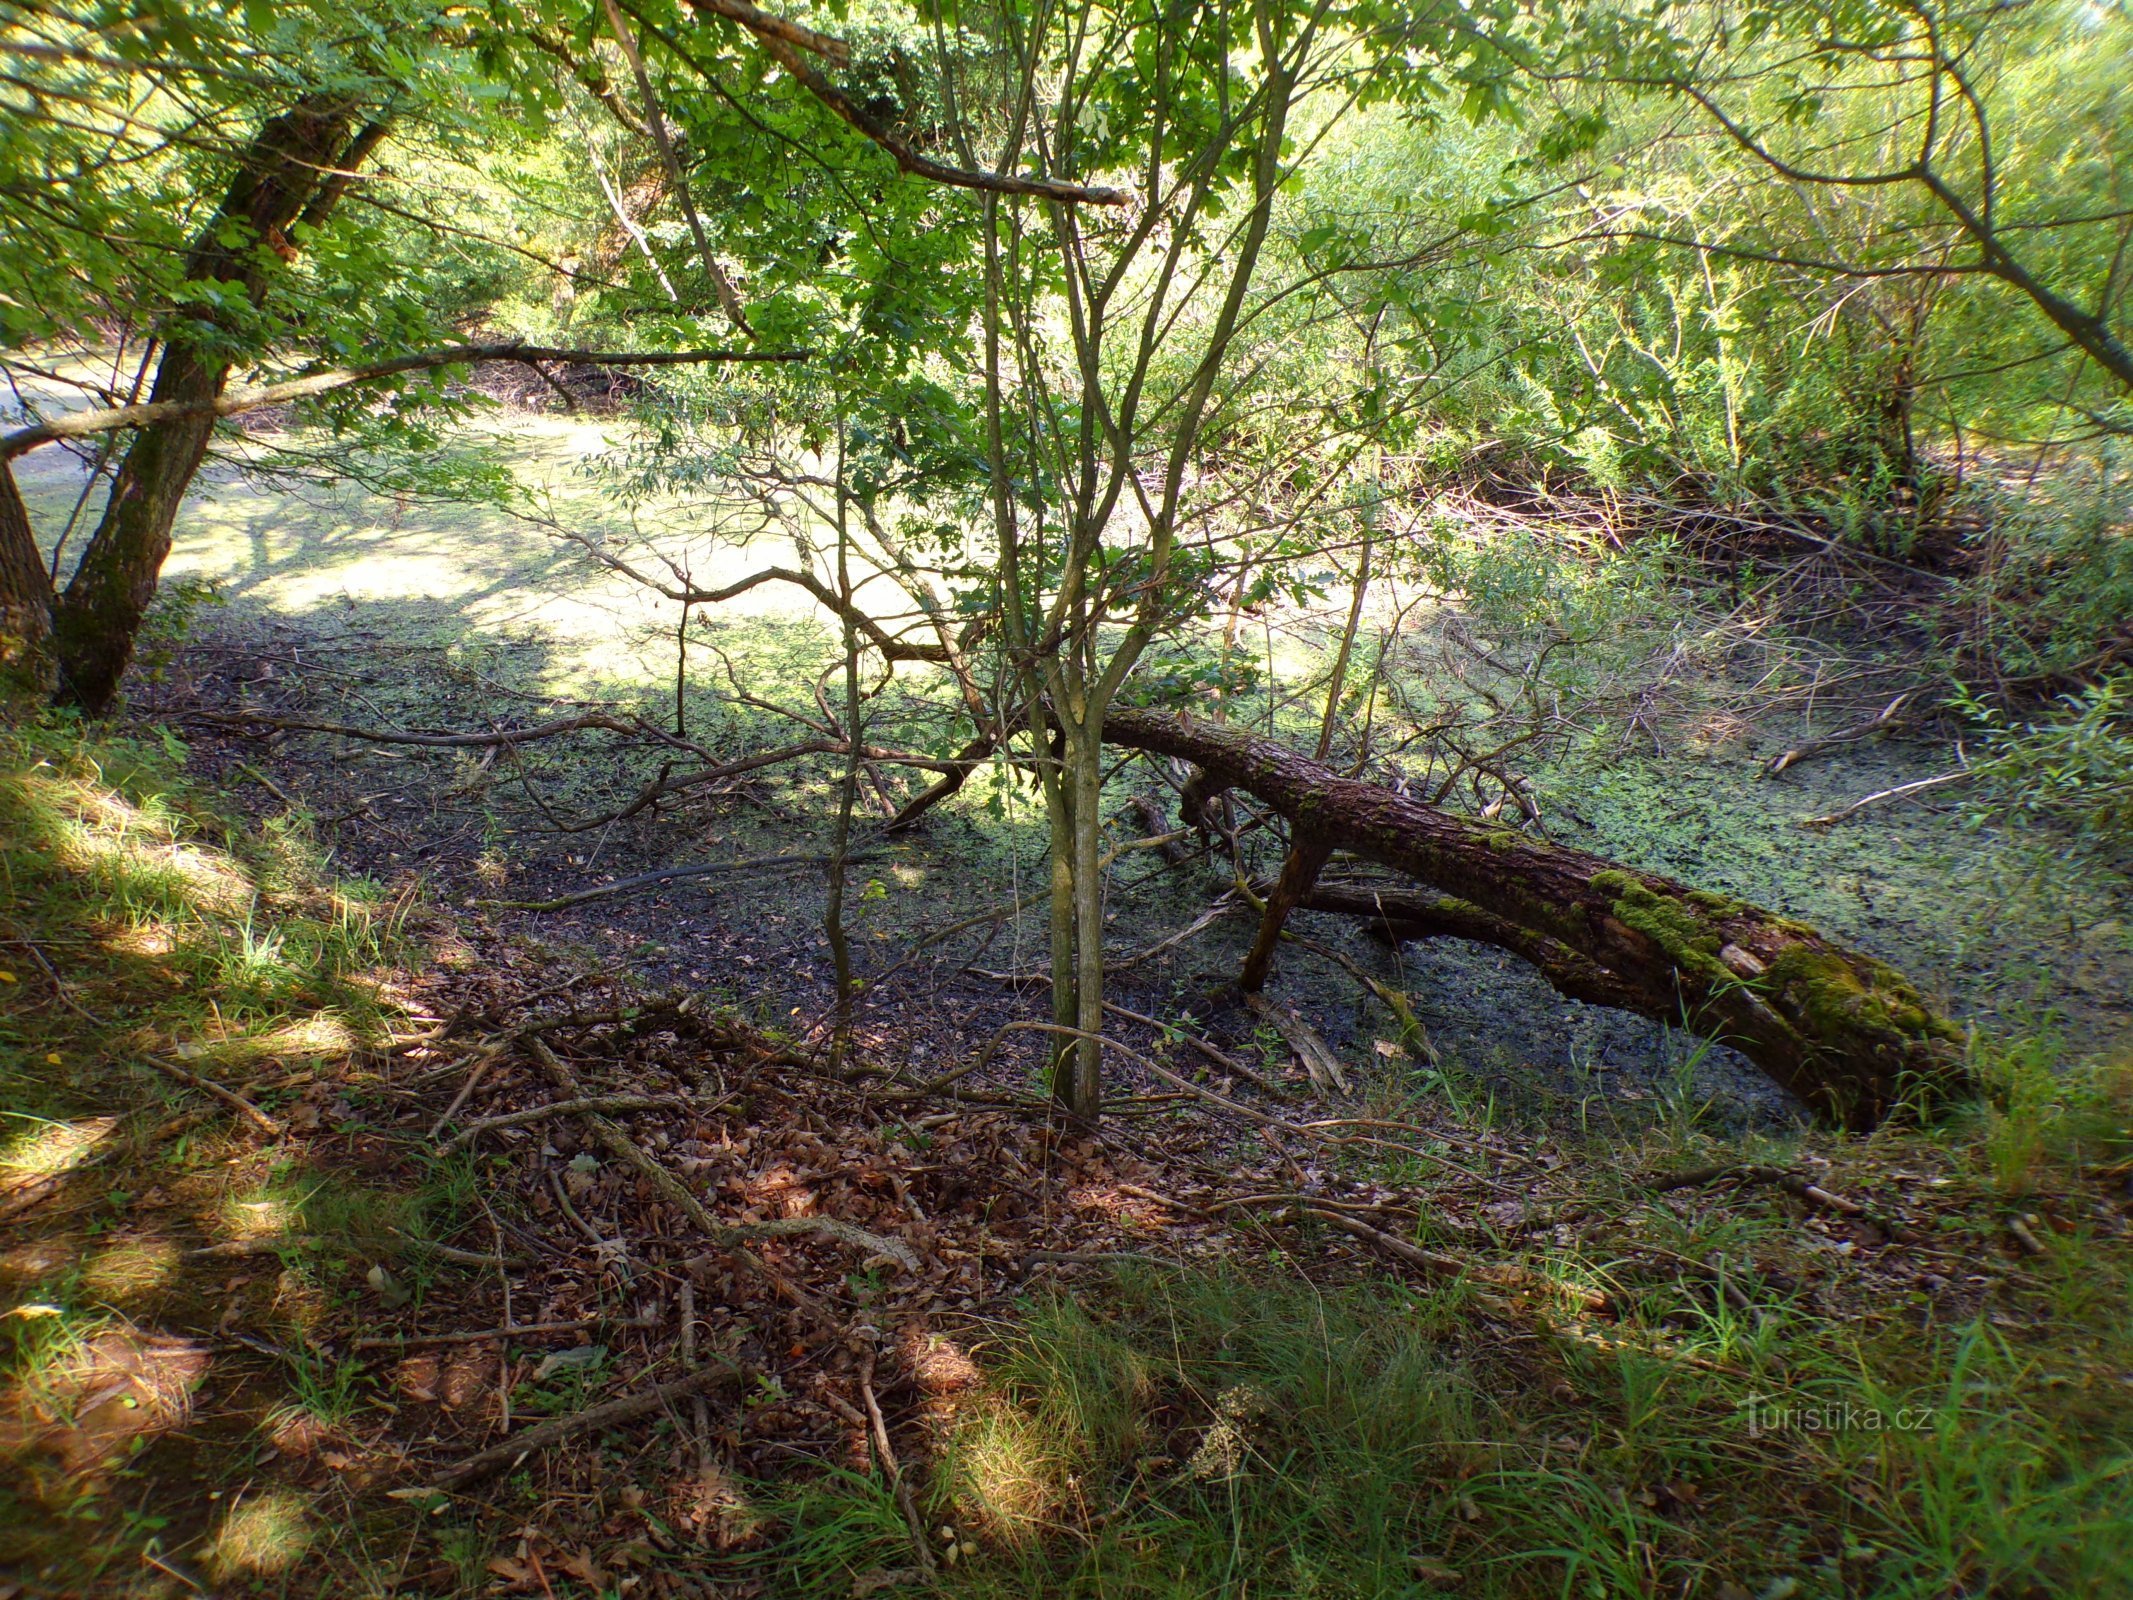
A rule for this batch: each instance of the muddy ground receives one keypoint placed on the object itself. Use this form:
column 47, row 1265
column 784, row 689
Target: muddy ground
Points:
column 394, row 610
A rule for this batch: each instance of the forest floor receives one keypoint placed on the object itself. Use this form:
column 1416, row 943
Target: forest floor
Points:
column 1442, row 1330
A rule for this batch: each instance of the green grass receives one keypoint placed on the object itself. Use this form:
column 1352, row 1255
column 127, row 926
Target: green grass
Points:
column 138, row 920
column 1243, row 1432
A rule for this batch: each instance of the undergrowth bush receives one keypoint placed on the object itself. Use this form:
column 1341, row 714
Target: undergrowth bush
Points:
column 2070, row 770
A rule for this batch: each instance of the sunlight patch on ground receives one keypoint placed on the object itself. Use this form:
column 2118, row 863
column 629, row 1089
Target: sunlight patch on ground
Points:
column 442, row 572
column 127, row 1269
column 207, row 877
column 321, row 1036
column 44, row 1150
column 258, row 1216
column 1011, row 1478
column 262, row 1536
column 87, row 1393
column 143, row 939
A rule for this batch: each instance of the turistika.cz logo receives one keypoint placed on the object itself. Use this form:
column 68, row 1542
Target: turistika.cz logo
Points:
column 1769, row 1413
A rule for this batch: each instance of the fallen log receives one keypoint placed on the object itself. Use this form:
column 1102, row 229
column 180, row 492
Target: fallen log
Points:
column 1845, row 1032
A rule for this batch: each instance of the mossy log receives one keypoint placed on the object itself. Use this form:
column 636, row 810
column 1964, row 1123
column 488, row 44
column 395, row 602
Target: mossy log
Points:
column 1845, row 1032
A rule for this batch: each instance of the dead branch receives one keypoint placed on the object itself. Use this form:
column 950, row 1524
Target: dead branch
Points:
column 1901, row 791
column 1221, row 1058
column 523, row 1330
column 570, row 1108
column 1510, row 1278
column 890, row 1466
column 626, row 1150
column 82, row 424
column 1893, row 715
column 783, row 42
column 628, row 1408
column 426, row 741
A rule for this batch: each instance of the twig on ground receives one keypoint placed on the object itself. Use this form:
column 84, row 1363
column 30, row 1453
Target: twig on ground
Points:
column 890, row 1466
column 1792, row 1182
column 628, row 1408
column 1206, row 919
column 1900, row 792
column 207, row 1086
column 699, row 1408
column 567, row 1108
column 1038, row 1258
column 626, row 1150
column 609, row 1252
column 427, row 741
column 705, row 869
column 523, row 1330
column 2019, row 1228
column 1892, row 715
column 452, row 1253
column 170, row 1069
column 1516, row 1279
column 266, row 783
column 1192, row 1041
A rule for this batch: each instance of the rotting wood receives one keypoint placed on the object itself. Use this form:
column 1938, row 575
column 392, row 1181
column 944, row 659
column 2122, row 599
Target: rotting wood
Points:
column 1845, row 1032
column 1318, row 1057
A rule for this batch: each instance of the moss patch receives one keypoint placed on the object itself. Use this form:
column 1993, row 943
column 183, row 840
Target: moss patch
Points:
column 1839, row 996
column 1690, row 941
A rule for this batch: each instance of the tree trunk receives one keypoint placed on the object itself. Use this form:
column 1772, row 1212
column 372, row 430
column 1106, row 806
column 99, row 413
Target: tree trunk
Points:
column 1290, row 890
column 25, row 603
column 279, row 179
column 1843, row 1031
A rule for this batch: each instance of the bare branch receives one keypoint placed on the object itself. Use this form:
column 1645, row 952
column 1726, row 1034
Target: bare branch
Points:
column 82, row 424
column 783, row 41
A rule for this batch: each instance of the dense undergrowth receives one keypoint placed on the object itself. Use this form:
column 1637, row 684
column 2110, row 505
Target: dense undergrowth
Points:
column 1928, row 1398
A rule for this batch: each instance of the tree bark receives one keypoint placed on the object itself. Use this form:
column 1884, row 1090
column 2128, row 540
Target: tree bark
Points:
column 25, row 603
column 98, row 618
column 1298, row 874
column 1846, row 1033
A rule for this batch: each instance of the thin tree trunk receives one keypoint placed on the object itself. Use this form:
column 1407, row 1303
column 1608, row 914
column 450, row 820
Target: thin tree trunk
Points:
column 1298, row 874
column 96, row 622
column 1847, row 1033
column 1307, row 855
column 26, row 667
column 1066, row 971
column 1086, row 755
column 847, row 792
column 1347, row 649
